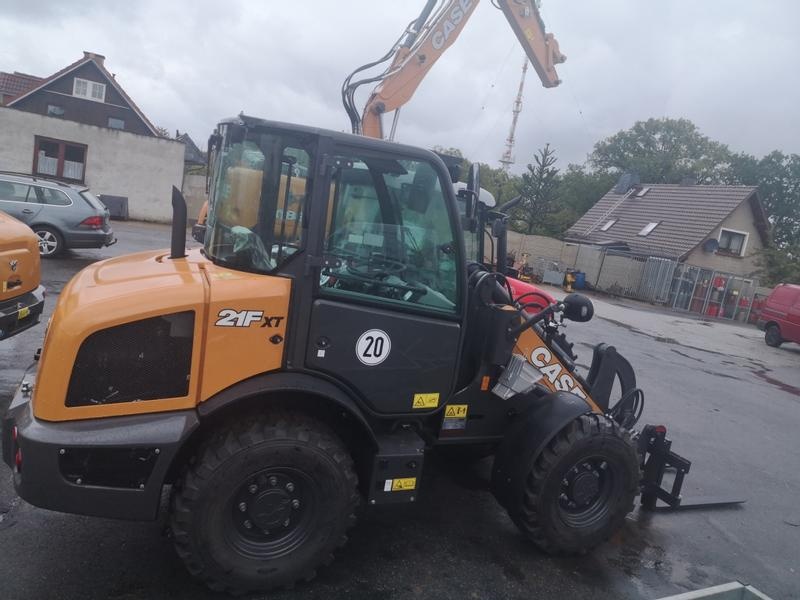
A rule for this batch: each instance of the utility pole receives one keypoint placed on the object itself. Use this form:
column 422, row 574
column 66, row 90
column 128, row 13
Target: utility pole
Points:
column 508, row 159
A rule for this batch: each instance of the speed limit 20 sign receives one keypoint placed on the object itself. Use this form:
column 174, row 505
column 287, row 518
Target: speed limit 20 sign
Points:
column 373, row 347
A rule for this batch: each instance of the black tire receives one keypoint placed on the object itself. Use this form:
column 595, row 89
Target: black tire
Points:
column 266, row 502
column 51, row 242
column 592, row 464
column 772, row 336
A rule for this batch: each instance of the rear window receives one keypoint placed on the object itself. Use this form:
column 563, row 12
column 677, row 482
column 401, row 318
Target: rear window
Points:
column 784, row 295
column 93, row 200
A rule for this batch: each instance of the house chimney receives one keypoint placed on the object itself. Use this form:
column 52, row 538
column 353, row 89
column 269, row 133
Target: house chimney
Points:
column 689, row 180
column 626, row 182
column 98, row 58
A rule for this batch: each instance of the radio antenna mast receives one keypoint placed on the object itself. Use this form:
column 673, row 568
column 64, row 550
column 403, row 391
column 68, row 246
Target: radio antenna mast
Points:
column 508, row 158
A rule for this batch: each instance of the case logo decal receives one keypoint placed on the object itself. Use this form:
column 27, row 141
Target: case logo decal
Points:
column 556, row 374
column 373, row 347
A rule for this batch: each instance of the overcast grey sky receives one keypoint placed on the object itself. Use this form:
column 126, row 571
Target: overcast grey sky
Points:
column 728, row 65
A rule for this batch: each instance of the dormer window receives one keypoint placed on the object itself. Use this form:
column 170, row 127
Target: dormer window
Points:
column 91, row 90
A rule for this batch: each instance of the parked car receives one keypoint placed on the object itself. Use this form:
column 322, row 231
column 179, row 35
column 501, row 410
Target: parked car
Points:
column 780, row 315
column 62, row 215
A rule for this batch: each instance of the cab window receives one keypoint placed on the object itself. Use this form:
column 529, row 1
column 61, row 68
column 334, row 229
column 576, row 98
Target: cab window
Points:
column 388, row 234
column 259, row 194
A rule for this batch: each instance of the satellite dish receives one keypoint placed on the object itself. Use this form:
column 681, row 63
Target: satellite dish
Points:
column 711, row 246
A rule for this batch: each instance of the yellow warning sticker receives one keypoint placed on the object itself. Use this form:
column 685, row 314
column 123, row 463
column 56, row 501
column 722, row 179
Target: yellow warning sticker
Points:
column 425, row 401
column 23, row 312
column 404, row 484
column 456, row 411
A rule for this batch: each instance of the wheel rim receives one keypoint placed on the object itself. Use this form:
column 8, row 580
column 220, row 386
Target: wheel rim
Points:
column 271, row 513
column 48, row 242
column 586, row 490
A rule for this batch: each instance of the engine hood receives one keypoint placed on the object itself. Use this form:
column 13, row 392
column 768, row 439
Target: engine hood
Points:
column 239, row 327
column 129, row 287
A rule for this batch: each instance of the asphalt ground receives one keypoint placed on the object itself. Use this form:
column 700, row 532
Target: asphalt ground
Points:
column 735, row 414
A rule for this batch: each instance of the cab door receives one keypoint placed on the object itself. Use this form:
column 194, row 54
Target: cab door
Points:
column 386, row 318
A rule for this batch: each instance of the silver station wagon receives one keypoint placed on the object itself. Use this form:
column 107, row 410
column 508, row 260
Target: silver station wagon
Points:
column 62, row 215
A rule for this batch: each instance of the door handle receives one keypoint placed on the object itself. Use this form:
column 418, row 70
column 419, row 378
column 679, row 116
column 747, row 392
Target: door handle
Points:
column 27, row 211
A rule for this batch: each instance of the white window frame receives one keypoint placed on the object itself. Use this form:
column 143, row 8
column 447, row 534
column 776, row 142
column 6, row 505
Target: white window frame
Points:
column 608, row 224
column 744, row 244
column 89, row 89
column 648, row 229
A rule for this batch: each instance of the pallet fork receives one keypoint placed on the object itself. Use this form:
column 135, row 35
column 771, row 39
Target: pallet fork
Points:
column 658, row 456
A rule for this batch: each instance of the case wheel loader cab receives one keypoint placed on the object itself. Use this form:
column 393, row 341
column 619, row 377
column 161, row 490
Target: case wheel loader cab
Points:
column 328, row 333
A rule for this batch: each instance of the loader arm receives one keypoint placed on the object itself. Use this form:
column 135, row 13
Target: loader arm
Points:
column 424, row 42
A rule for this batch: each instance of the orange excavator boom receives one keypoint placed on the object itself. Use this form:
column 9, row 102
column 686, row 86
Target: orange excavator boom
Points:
column 425, row 40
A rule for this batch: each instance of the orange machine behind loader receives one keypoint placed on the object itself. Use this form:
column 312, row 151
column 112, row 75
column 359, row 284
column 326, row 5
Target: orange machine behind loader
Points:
column 21, row 296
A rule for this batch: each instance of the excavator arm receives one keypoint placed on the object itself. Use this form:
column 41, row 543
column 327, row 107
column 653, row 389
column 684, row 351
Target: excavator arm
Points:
column 425, row 40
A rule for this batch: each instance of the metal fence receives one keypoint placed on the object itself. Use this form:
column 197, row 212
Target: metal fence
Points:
column 658, row 280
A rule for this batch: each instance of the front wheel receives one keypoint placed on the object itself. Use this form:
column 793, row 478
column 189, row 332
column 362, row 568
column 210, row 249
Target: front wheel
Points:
column 266, row 502
column 772, row 336
column 580, row 488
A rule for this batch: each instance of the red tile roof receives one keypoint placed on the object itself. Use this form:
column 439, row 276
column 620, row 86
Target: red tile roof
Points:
column 16, row 83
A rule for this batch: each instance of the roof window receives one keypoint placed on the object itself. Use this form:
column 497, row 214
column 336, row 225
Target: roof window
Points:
column 648, row 229
column 608, row 224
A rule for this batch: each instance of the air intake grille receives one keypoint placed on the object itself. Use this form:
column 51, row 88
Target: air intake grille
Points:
column 142, row 360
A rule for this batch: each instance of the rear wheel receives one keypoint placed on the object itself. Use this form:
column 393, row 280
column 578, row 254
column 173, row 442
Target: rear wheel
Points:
column 580, row 488
column 266, row 502
column 772, row 336
column 51, row 242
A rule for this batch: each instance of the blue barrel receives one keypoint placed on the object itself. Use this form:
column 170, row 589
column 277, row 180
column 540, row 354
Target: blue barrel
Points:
column 580, row 280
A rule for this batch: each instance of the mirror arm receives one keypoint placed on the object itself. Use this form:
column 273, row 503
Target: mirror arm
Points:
column 530, row 321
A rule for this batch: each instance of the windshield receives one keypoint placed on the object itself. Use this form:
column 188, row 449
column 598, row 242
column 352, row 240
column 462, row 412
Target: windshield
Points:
column 259, row 192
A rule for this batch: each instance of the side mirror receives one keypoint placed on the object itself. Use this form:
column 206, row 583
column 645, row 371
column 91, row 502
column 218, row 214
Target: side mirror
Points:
column 499, row 228
column 578, row 308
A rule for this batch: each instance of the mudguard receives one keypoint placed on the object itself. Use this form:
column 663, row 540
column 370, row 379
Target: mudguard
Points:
column 277, row 382
column 527, row 437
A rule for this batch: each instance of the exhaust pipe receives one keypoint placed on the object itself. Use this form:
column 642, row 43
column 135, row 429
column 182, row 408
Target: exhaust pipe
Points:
column 178, row 242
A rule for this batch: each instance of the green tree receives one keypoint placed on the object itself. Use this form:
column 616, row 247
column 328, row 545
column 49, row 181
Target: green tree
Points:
column 499, row 183
column 777, row 176
column 780, row 265
column 538, row 190
column 663, row 151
